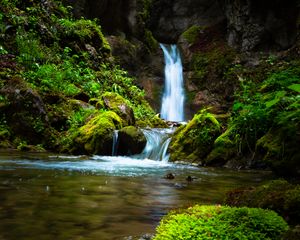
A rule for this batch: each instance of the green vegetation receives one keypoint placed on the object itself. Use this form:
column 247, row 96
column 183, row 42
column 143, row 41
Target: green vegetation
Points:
column 192, row 34
column 265, row 121
column 63, row 72
column 278, row 195
column 193, row 141
column 96, row 135
column 221, row 222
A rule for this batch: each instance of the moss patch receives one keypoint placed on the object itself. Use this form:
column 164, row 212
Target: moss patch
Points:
column 95, row 137
column 278, row 195
column 192, row 142
column 220, row 222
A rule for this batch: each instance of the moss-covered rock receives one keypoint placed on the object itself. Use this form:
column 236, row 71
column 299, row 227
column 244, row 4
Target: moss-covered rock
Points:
column 131, row 140
column 87, row 31
column 191, row 34
column 280, row 152
column 220, row 222
column 224, row 149
column 278, row 195
column 115, row 102
column 96, row 136
column 192, row 142
column 24, row 111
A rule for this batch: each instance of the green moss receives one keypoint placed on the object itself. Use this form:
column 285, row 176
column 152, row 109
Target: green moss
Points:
column 96, row 135
column 212, row 64
column 225, row 147
column 150, row 41
column 116, row 103
column 192, row 34
column 193, row 141
column 278, row 195
column 220, row 222
column 85, row 30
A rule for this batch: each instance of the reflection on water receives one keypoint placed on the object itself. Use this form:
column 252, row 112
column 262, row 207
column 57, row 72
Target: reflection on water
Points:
column 63, row 197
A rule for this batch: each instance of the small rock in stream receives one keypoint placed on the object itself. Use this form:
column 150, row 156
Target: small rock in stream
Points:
column 169, row 176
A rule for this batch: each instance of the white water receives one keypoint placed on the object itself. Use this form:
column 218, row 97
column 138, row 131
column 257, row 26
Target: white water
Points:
column 173, row 97
column 157, row 144
column 115, row 143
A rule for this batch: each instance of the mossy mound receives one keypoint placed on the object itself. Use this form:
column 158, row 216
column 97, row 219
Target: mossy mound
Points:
column 116, row 103
column 224, row 149
column 278, row 195
column 280, row 151
column 131, row 141
column 220, row 222
column 96, row 136
column 192, row 142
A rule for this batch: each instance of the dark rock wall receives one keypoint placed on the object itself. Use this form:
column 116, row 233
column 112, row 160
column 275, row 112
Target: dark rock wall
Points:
column 171, row 18
column 251, row 24
column 261, row 25
column 114, row 15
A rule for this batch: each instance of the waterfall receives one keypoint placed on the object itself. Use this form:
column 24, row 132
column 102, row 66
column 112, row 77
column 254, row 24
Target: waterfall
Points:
column 173, row 97
column 115, row 143
column 157, row 144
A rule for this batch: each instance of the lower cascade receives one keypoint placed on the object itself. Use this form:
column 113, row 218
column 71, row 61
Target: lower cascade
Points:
column 172, row 108
column 158, row 140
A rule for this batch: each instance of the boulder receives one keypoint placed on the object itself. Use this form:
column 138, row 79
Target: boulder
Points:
column 193, row 142
column 96, row 136
column 131, row 140
column 25, row 110
column 115, row 102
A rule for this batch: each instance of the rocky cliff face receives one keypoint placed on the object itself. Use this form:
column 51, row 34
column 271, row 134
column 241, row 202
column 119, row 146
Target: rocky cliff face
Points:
column 169, row 19
column 261, row 25
column 250, row 24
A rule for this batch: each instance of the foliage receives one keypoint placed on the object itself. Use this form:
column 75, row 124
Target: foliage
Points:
column 220, row 222
column 30, row 48
column 63, row 60
column 278, row 195
column 266, row 117
column 84, row 30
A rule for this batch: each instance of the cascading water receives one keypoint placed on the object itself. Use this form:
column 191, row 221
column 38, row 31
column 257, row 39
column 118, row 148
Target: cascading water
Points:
column 157, row 144
column 173, row 97
column 115, row 143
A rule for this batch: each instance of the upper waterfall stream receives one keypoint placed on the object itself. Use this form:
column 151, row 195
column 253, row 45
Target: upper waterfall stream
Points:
column 173, row 98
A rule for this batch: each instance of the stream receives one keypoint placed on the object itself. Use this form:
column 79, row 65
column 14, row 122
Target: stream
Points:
column 44, row 196
column 49, row 196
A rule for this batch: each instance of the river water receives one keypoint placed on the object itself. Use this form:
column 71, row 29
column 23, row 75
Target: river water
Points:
column 46, row 196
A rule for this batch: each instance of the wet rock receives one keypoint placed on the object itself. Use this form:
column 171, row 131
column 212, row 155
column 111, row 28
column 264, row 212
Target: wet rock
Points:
column 131, row 140
column 169, row 176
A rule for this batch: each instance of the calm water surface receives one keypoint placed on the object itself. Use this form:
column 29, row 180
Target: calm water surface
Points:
column 63, row 197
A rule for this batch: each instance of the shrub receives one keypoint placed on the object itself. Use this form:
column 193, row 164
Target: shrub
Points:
column 220, row 222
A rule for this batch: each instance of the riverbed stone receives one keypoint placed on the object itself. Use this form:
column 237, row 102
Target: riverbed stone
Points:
column 131, row 140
